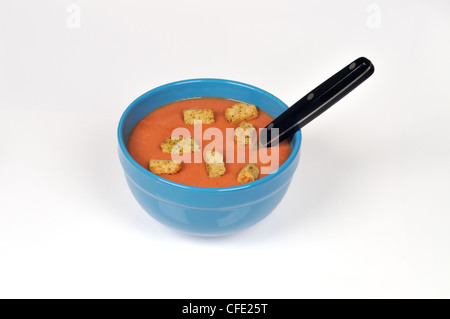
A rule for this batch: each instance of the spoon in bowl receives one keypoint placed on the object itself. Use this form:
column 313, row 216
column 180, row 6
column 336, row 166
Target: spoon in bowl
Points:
column 316, row 102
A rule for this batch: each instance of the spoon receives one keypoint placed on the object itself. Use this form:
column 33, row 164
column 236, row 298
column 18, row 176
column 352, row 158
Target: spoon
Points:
column 316, row 102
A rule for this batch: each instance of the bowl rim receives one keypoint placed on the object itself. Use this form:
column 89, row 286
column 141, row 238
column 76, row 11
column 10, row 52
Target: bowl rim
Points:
column 122, row 145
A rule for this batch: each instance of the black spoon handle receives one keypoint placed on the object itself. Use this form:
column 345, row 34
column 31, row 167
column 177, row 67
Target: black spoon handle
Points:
column 317, row 101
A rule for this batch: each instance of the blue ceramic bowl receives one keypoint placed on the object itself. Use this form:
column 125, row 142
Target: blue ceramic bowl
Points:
column 200, row 210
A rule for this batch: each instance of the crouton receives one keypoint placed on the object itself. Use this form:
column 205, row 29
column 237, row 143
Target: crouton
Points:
column 179, row 144
column 240, row 112
column 164, row 166
column 204, row 115
column 245, row 133
column 249, row 173
column 214, row 164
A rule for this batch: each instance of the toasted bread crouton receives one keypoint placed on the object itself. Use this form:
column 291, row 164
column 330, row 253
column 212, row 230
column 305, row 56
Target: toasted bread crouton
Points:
column 214, row 164
column 249, row 173
column 240, row 112
column 245, row 133
column 164, row 166
column 204, row 115
column 179, row 145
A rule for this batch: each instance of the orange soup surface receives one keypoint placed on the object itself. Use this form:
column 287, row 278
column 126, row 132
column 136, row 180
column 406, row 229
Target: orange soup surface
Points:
column 148, row 134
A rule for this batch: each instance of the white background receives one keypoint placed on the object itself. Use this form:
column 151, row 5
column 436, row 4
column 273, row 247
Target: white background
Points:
column 367, row 214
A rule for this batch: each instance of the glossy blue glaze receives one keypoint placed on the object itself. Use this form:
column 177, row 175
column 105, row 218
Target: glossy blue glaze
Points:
column 200, row 210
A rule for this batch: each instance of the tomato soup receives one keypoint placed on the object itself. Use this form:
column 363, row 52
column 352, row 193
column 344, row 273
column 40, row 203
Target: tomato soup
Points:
column 145, row 141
